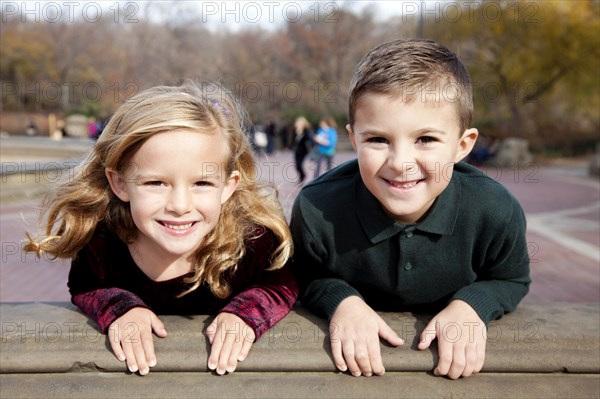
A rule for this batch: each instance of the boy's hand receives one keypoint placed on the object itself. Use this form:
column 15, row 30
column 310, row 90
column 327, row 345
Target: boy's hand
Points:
column 354, row 332
column 231, row 339
column 461, row 336
column 131, row 339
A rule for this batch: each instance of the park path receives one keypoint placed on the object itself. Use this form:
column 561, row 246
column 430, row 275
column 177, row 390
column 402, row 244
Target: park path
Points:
column 562, row 207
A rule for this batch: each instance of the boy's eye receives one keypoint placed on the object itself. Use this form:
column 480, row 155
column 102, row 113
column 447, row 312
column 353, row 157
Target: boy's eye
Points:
column 426, row 139
column 377, row 140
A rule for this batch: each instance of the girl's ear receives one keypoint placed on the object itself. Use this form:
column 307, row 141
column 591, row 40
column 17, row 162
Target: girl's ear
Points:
column 230, row 186
column 466, row 143
column 117, row 184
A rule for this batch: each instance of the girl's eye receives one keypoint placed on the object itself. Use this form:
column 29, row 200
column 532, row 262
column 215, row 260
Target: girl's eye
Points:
column 203, row 183
column 377, row 140
column 153, row 183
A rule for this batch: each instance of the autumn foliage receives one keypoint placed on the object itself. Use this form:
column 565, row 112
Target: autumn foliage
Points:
column 534, row 64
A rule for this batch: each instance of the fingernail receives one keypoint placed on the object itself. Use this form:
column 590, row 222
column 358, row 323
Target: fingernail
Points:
column 230, row 369
column 368, row 374
column 220, row 372
column 356, row 374
column 212, row 366
column 133, row 368
column 121, row 358
column 342, row 368
column 152, row 363
column 144, row 371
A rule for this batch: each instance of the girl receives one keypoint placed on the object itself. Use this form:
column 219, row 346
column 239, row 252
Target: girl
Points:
column 165, row 216
column 302, row 145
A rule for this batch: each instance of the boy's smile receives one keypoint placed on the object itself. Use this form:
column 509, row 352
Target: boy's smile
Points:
column 406, row 151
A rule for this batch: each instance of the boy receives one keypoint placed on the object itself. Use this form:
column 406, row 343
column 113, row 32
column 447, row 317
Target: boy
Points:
column 407, row 227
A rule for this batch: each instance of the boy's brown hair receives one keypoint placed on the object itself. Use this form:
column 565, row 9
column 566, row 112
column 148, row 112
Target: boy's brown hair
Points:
column 414, row 70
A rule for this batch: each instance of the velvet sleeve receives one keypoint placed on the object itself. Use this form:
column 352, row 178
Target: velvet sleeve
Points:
column 269, row 296
column 90, row 289
column 105, row 305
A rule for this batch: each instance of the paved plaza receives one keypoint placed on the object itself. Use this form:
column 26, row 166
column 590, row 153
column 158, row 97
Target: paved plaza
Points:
column 562, row 206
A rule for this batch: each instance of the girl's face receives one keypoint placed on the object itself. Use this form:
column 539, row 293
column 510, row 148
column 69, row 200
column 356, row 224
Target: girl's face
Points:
column 175, row 185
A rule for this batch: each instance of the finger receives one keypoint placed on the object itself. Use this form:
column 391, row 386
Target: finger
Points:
column 115, row 343
column 215, row 349
column 129, row 355
column 445, row 358
column 349, row 357
column 246, row 345
column 480, row 358
column 233, row 356
column 363, row 360
column 140, row 356
column 149, row 355
column 157, row 326
column 336, row 352
column 458, row 361
column 211, row 330
column 229, row 342
column 428, row 335
column 389, row 335
column 470, row 360
column 374, row 352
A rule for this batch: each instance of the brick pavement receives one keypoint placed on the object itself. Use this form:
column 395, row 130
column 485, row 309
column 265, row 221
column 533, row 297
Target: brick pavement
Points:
column 562, row 207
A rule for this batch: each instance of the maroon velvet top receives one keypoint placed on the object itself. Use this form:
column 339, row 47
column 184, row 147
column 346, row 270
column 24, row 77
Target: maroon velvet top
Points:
column 105, row 283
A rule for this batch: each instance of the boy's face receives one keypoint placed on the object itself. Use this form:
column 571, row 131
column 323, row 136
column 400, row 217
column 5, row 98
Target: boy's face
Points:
column 406, row 151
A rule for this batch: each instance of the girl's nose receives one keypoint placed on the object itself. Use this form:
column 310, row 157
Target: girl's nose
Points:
column 179, row 201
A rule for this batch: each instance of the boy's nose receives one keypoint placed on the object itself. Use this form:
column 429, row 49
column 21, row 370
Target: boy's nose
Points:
column 179, row 201
column 402, row 161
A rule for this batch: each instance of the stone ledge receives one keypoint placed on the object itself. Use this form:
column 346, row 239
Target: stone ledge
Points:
column 296, row 385
column 537, row 338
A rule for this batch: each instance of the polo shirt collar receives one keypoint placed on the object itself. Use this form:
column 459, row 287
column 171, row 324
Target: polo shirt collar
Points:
column 378, row 226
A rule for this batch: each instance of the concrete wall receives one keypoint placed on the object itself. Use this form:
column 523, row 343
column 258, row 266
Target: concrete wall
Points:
column 52, row 350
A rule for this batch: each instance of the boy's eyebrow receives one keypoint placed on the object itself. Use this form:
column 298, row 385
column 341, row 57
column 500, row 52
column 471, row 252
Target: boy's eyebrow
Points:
column 418, row 131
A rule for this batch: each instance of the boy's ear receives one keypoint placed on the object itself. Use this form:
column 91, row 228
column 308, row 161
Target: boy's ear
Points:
column 117, row 184
column 466, row 143
column 351, row 135
column 230, row 186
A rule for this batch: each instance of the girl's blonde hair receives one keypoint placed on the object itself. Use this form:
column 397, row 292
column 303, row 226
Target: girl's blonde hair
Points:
column 75, row 208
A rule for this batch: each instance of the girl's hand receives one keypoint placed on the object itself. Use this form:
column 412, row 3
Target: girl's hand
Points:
column 131, row 339
column 354, row 332
column 231, row 339
column 461, row 336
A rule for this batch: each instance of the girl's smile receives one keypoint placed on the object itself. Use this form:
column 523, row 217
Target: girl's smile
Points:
column 175, row 186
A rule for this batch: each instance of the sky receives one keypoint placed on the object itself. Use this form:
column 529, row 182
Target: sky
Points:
column 215, row 15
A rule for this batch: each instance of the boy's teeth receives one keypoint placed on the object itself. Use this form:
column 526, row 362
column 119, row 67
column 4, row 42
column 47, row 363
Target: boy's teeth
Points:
column 179, row 226
column 405, row 185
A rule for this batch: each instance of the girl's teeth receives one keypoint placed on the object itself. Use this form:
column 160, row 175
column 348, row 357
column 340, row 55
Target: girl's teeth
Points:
column 179, row 227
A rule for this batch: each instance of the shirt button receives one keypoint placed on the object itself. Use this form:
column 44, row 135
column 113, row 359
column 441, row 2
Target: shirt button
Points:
column 408, row 266
column 409, row 234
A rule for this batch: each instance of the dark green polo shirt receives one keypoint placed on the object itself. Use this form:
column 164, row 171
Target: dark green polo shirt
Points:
column 471, row 246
